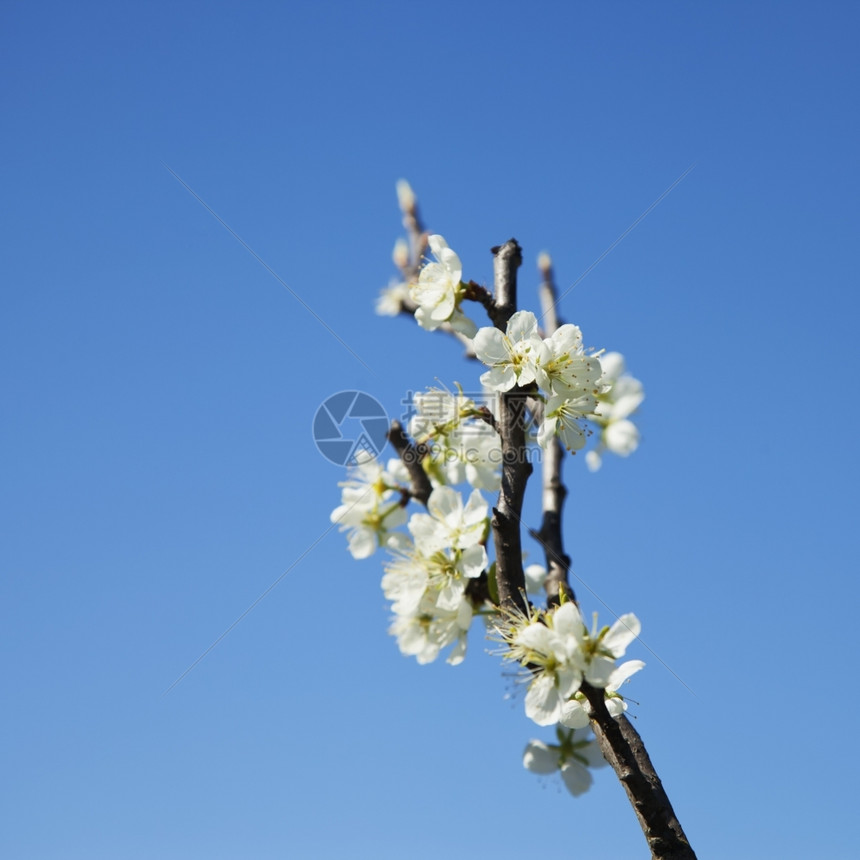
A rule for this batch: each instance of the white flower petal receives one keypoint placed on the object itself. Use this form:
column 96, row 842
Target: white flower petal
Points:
column 623, row 673
column 535, row 577
column 621, row 437
column 462, row 324
column 599, row 671
column 539, row 758
column 458, row 652
column 572, row 436
column 612, row 364
column 576, row 777
column 568, row 680
column 535, row 636
column 593, row 460
column 473, row 561
column 592, row 754
column 445, row 502
column 450, row 596
column 567, row 621
column 621, row 634
column 522, row 326
column 490, row 347
column 499, row 378
column 573, row 715
column 615, row 706
column 362, row 542
column 542, row 701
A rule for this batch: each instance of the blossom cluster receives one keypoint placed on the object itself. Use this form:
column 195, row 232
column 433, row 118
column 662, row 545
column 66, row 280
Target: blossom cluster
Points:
column 460, row 436
column 577, row 386
column 559, row 653
column 439, row 577
column 371, row 504
column 620, row 396
column 440, row 290
column 428, row 579
column 432, row 562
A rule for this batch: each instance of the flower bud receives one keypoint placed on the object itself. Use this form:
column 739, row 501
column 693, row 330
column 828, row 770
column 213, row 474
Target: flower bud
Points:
column 405, row 196
column 400, row 254
column 544, row 262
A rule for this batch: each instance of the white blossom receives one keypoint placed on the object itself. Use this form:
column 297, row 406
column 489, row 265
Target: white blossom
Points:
column 404, row 583
column 440, row 290
column 391, row 298
column 463, row 446
column 473, row 454
column 564, row 416
column 427, row 631
column 575, row 713
column 560, row 653
column 620, row 395
column 535, row 578
column 371, row 505
column 513, row 357
column 566, row 368
column 449, row 524
column 574, row 755
column 550, row 646
column 615, row 703
column 603, row 647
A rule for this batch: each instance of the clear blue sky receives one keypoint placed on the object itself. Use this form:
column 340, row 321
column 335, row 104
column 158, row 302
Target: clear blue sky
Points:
column 158, row 388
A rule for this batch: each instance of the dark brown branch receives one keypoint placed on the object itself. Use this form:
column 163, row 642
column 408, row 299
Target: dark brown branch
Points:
column 412, row 457
column 623, row 749
column 516, row 468
column 476, row 293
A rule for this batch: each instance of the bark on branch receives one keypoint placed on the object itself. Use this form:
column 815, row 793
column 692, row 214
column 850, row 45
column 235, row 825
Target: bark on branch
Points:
column 507, row 515
column 623, row 749
column 411, row 456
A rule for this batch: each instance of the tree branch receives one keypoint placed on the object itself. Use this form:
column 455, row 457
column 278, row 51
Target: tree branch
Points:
column 476, row 293
column 623, row 749
column 411, row 456
column 507, row 515
column 408, row 308
column 408, row 259
column 554, row 490
column 507, row 259
column 415, row 230
column 549, row 534
column 548, row 294
column 619, row 741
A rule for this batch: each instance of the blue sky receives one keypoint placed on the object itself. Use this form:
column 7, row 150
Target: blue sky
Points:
column 159, row 385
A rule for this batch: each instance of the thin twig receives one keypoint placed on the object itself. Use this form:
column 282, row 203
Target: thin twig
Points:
column 554, row 490
column 412, row 456
column 408, row 308
column 476, row 293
